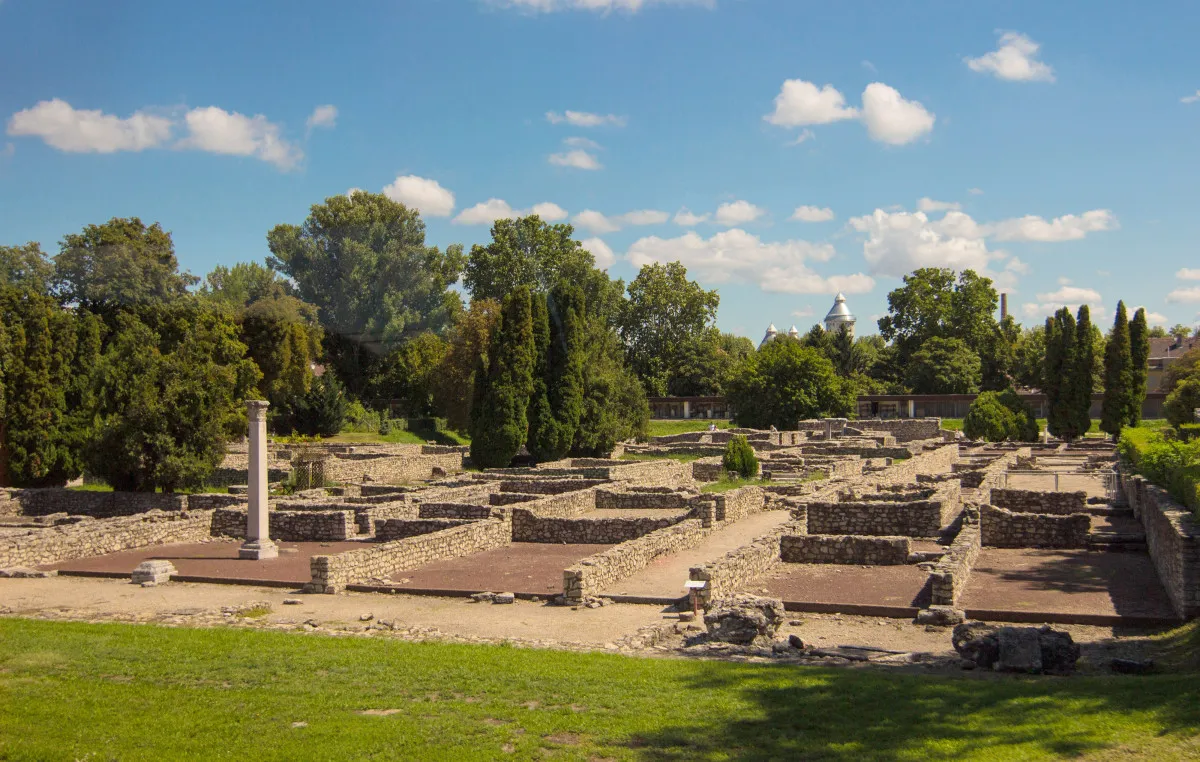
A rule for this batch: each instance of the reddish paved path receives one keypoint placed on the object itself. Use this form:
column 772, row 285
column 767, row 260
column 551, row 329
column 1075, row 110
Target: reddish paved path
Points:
column 523, row 567
column 216, row 561
column 825, row 584
column 1066, row 582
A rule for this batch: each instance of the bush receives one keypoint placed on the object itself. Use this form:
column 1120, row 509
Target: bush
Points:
column 360, row 419
column 1168, row 462
column 322, row 411
column 739, row 458
column 1179, row 408
column 1000, row 417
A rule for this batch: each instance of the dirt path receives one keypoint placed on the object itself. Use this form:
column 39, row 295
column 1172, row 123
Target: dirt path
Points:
column 665, row 576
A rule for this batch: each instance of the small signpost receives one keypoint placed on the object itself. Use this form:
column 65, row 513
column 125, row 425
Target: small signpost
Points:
column 694, row 586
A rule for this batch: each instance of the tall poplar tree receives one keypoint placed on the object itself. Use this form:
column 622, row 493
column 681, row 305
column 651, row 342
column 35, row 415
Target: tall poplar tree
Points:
column 1118, row 370
column 1139, row 353
column 541, row 416
column 1060, row 353
column 499, row 417
column 1081, row 373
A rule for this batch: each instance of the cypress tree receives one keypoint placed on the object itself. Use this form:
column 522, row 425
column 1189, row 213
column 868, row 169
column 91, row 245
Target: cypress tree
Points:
column 542, row 425
column 1117, row 376
column 1052, row 369
column 1058, row 372
column 1139, row 353
column 565, row 363
column 1081, row 373
column 500, row 417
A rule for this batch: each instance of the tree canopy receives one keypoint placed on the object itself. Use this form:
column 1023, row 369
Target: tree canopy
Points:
column 26, row 267
column 944, row 366
column 786, row 382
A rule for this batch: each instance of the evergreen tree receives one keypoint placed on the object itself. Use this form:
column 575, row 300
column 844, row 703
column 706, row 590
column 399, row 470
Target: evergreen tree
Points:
column 499, row 421
column 1081, row 376
column 321, row 411
column 1139, row 366
column 739, row 458
column 542, row 434
column 1117, row 376
column 565, row 364
column 1057, row 374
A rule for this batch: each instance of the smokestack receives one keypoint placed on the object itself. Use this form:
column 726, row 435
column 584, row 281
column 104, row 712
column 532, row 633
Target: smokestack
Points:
column 1003, row 306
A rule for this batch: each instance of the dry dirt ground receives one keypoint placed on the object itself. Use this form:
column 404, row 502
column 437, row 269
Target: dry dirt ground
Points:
column 628, row 628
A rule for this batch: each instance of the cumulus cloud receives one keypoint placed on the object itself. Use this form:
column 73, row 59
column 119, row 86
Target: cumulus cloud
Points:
column 1154, row 318
column 323, row 116
column 601, row 251
column 596, row 6
column 216, row 130
column 548, row 211
column 803, row 312
column 900, row 242
column 585, row 119
column 645, row 217
column 487, row 212
column 86, row 131
column 1015, row 60
column 598, row 222
column 737, row 213
column 927, row 204
column 1188, row 273
column 812, row 214
column 577, row 158
column 892, row 119
column 801, row 103
column 1186, row 295
column 737, row 256
column 685, row 218
column 420, row 193
column 1191, row 98
column 1066, row 296
column 1069, row 227
column 975, row 191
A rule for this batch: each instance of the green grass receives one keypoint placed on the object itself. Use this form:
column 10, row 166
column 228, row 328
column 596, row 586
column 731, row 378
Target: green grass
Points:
column 662, row 428
column 399, row 437
column 725, row 485
column 107, row 488
column 114, row 691
column 956, row 424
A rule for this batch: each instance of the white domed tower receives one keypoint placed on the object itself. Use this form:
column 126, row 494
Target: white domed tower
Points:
column 771, row 333
column 795, row 334
column 839, row 315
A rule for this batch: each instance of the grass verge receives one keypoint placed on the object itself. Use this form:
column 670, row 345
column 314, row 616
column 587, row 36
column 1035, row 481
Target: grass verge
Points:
column 130, row 692
column 662, row 428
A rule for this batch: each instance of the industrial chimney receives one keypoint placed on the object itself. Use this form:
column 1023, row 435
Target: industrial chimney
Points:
column 1003, row 306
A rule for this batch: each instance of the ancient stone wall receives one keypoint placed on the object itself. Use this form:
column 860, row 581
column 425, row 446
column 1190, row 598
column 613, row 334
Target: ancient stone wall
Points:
column 885, row 514
column 949, row 578
column 100, row 505
column 842, row 549
column 1173, row 539
column 289, row 526
column 736, row 504
column 594, row 574
column 509, row 498
column 389, row 469
column 903, row 429
column 331, row 574
column 610, row 499
column 530, row 527
column 934, row 461
column 548, row 486
column 564, row 505
column 1033, row 501
column 398, row 529
column 453, row 511
column 737, row 567
column 97, row 537
column 1002, row 528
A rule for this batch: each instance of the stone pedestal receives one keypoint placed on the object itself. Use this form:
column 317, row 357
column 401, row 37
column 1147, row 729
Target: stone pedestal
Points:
column 258, row 544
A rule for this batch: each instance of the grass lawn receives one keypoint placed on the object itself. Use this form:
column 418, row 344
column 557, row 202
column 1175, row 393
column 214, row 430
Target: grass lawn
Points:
column 956, row 424
column 661, row 428
column 114, row 691
column 399, row 437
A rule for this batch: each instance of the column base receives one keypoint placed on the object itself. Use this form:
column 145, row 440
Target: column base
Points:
column 258, row 550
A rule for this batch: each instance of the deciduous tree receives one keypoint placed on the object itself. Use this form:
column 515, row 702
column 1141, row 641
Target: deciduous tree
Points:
column 944, row 366
column 785, row 382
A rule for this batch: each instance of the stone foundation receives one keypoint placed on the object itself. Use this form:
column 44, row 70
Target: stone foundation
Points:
column 950, row 577
column 398, row 529
column 529, row 527
column 289, row 526
column 842, row 549
column 1033, row 501
column 594, row 574
column 887, row 515
column 737, row 567
column 1002, row 528
column 88, row 537
column 1173, row 538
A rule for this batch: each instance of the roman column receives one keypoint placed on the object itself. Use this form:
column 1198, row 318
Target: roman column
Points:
column 258, row 543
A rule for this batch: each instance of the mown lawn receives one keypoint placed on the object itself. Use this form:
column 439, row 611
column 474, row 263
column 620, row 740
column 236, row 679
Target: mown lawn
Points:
column 99, row 692
column 662, row 428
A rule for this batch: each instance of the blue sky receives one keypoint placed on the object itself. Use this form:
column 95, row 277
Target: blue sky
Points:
column 781, row 150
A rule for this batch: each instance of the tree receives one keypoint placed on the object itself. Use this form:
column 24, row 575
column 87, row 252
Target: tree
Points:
column 321, row 411
column 1139, row 354
column 1118, row 376
column 25, row 267
column 245, row 283
column 705, row 364
column 1081, row 379
column 499, row 425
column 1029, row 352
column 1000, row 417
column 1157, row 332
column 1181, row 404
column 557, row 402
column 739, row 458
column 454, row 381
column 408, row 375
column 363, row 263
column 122, row 263
column 1180, row 331
column 786, row 382
column 1186, row 365
column 933, row 303
column 1062, row 382
column 998, row 355
column 665, row 314
column 284, row 341
column 944, row 366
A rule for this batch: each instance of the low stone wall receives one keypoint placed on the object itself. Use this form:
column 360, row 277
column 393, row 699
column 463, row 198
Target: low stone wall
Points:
column 209, row 501
column 1032, row 501
column 390, row 469
column 548, row 486
column 950, row 577
column 920, row 518
column 564, row 505
column 331, row 574
column 934, row 461
column 95, row 538
column 367, row 517
column 594, row 574
column 1001, row 528
column 708, row 469
column 453, row 511
column 993, row 477
column 289, row 526
column 903, row 429
column 737, row 567
column 736, row 504
column 843, row 549
column 1173, row 539
column 398, row 529
column 100, row 505
column 609, row 499
column 510, row 498
column 529, row 527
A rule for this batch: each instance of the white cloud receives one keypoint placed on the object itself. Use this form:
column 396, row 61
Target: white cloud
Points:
column 803, row 312
column 1154, row 318
column 548, row 211
column 892, row 119
column 485, row 213
column 927, row 204
column 596, row 6
column 1188, row 273
column 645, row 217
column 425, row 195
column 323, row 116
column 737, row 256
column 800, row 103
column 685, row 218
column 1015, row 265
column 737, row 213
column 975, row 191
column 1069, row 227
column 1064, row 281
column 1190, row 98
column 601, row 251
column 1015, row 60
column 582, row 143
column 899, row 242
column 812, row 214
column 585, row 119
column 215, row 130
column 1187, row 295
column 805, row 135
column 1066, row 296
column 86, row 131
column 596, row 222
column 577, row 158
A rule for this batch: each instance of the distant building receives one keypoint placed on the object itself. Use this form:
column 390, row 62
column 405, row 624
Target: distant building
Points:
column 839, row 315
column 1163, row 353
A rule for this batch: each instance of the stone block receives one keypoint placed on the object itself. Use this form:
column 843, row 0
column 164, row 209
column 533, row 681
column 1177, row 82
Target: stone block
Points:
column 156, row 571
column 1019, row 651
column 744, row 619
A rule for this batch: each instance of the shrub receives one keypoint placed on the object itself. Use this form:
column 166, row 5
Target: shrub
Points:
column 321, row 411
column 999, row 417
column 739, row 458
column 1168, row 462
column 1181, row 403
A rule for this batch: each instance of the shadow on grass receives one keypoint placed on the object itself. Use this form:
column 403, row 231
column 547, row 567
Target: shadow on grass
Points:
column 852, row 715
